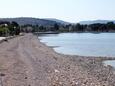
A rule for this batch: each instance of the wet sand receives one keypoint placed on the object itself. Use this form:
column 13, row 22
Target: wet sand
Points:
column 26, row 61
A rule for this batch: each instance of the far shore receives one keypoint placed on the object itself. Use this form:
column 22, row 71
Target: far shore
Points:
column 25, row 61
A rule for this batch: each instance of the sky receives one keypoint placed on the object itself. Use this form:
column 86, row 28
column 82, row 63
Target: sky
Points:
column 67, row 10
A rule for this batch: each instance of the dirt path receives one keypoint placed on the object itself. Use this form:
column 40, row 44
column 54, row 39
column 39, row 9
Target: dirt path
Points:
column 27, row 62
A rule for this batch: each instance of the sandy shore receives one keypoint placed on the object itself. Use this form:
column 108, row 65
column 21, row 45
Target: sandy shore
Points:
column 26, row 62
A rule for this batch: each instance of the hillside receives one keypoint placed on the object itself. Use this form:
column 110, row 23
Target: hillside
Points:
column 96, row 21
column 58, row 21
column 28, row 20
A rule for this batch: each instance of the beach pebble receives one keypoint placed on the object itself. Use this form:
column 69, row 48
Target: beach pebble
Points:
column 56, row 71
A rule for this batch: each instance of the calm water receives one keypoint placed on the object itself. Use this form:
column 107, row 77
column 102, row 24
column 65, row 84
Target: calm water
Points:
column 110, row 62
column 85, row 44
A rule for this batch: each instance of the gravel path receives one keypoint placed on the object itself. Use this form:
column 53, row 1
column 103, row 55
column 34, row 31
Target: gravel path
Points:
column 27, row 62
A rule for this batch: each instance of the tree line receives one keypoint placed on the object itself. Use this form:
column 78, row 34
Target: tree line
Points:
column 97, row 27
column 13, row 28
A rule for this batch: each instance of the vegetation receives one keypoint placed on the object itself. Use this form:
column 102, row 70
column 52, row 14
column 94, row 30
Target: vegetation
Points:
column 13, row 28
column 7, row 28
column 109, row 27
column 97, row 27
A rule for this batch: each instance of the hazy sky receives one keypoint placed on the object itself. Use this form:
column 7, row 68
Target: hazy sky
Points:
column 68, row 10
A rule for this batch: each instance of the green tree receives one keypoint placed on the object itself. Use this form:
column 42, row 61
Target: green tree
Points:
column 4, row 31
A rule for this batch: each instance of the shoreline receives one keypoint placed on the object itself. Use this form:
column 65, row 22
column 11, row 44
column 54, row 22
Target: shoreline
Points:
column 101, row 59
column 52, row 47
column 40, row 65
column 88, row 54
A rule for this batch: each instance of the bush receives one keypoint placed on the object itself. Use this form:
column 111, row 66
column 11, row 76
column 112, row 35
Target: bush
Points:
column 4, row 31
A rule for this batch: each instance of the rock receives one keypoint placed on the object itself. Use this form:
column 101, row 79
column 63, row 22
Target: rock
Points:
column 2, row 74
column 56, row 71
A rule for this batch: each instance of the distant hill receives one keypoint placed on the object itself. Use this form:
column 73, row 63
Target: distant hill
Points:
column 58, row 21
column 48, row 21
column 96, row 21
column 32, row 21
